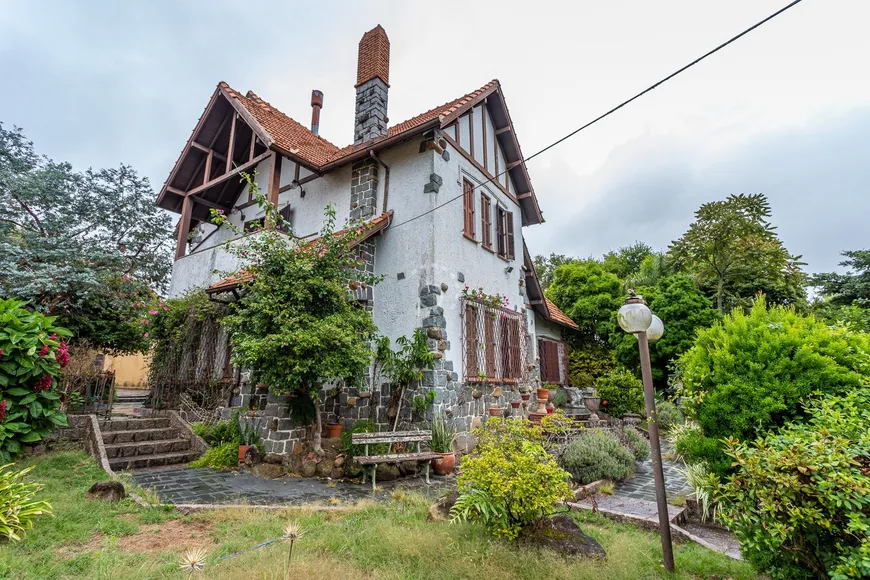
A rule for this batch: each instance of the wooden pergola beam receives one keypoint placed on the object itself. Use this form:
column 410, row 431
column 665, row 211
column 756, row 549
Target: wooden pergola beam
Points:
column 232, row 143
column 221, row 178
column 208, row 203
column 183, row 228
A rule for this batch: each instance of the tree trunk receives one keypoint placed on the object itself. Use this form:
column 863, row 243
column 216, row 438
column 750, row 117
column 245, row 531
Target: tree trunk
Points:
column 316, row 445
column 719, row 290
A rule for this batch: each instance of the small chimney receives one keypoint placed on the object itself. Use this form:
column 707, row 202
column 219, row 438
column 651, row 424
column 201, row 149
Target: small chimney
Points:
column 372, row 84
column 316, row 105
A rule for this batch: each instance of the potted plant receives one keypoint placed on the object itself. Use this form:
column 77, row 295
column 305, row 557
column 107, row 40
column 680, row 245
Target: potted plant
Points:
column 248, row 435
column 443, row 435
column 495, row 411
column 334, row 429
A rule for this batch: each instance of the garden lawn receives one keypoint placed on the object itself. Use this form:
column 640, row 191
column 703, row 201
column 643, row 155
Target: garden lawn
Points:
column 91, row 539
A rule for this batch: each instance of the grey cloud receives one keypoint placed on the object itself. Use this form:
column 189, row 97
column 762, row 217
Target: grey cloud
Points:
column 816, row 177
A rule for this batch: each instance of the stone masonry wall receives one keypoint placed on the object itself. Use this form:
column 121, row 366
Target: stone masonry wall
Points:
column 371, row 111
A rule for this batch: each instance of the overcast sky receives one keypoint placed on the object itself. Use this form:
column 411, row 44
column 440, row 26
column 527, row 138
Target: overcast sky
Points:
column 784, row 111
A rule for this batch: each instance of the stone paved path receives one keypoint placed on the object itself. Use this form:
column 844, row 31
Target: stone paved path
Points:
column 642, row 486
column 209, row 486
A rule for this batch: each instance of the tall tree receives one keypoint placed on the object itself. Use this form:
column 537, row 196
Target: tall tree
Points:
column 82, row 246
column 627, row 260
column 591, row 296
column 733, row 252
column 295, row 325
column 851, row 287
column 545, row 267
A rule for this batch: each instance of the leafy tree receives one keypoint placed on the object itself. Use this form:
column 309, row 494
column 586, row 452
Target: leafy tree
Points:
column 294, row 324
column 545, row 267
column 733, row 252
column 627, row 260
column 591, row 296
column 799, row 500
column 621, row 392
column 850, row 288
column 753, row 371
column 684, row 310
column 75, row 244
column 653, row 269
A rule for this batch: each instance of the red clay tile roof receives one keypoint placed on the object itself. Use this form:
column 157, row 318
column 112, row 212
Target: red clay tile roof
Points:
column 374, row 56
column 297, row 139
column 559, row 317
column 233, row 281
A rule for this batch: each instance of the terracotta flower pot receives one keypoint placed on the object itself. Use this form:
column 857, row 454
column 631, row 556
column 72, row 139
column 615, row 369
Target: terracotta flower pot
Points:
column 334, row 430
column 550, row 410
column 495, row 412
column 444, row 465
column 515, row 404
column 525, row 396
column 243, row 449
column 543, row 393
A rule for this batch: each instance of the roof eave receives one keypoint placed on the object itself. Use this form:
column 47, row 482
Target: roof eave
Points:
column 378, row 145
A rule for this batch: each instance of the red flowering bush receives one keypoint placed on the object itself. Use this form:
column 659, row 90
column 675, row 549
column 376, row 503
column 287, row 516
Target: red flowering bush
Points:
column 32, row 355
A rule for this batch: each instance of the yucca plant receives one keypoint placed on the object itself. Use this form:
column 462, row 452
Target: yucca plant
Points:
column 18, row 503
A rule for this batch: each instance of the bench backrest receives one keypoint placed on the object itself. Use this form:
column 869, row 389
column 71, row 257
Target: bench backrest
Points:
column 390, row 437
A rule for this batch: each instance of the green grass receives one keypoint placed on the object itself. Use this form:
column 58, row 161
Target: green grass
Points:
column 391, row 540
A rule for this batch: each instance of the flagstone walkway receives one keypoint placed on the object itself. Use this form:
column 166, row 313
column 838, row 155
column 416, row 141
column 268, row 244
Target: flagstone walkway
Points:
column 642, row 486
column 209, row 486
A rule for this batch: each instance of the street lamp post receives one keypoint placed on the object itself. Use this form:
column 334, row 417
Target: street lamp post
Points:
column 635, row 318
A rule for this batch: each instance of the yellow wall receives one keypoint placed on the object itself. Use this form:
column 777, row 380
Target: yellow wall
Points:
column 131, row 371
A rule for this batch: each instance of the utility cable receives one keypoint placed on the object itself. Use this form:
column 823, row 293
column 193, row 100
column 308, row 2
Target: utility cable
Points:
column 614, row 109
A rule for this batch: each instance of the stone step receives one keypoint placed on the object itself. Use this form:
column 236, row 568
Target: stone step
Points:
column 134, row 424
column 155, row 460
column 137, row 448
column 139, row 435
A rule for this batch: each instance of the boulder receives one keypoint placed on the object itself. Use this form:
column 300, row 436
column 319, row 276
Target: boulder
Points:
column 324, row 468
column 336, row 473
column 388, row 472
column 268, row 471
column 562, row 534
column 309, row 468
column 276, row 458
column 440, row 510
column 409, row 467
column 107, row 491
column 352, row 468
column 339, row 461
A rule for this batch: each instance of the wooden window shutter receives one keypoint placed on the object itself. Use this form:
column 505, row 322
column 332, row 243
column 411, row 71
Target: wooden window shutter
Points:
column 499, row 231
column 486, row 220
column 468, row 194
column 471, row 342
column 509, row 229
column 489, row 342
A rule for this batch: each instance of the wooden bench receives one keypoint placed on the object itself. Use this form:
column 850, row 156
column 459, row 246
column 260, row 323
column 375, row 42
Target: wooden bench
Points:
column 389, row 438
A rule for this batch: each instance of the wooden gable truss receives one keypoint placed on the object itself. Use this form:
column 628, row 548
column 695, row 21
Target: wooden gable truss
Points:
column 482, row 131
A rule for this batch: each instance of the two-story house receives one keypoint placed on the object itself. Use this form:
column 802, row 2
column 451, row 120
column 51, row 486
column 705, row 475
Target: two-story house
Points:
column 448, row 195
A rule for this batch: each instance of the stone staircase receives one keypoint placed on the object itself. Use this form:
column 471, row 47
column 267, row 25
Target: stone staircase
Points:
column 141, row 443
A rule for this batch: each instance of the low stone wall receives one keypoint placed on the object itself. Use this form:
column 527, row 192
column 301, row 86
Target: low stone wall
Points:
column 86, row 429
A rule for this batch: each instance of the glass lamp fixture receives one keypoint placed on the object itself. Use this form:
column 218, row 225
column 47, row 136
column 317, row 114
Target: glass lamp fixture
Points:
column 634, row 316
column 656, row 329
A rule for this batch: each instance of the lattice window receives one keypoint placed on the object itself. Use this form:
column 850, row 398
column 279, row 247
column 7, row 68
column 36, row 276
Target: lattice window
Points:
column 494, row 343
column 553, row 355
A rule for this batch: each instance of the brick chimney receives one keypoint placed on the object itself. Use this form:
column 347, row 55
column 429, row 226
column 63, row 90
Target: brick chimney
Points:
column 316, row 105
column 372, row 84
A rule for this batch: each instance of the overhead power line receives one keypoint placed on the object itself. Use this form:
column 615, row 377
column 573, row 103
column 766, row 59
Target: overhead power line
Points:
column 614, row 109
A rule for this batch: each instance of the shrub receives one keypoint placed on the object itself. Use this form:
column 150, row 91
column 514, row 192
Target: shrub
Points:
column 753, row 371
column 18, row 503
column 596, row 455
column 521, row 481
column 694, row 447
column 31, row 357
column 443, row 435
column 669, row 415
column 799, row 500
column 223, row 456
column 219, row 433
column 621, row 392
column 560, row 399
column 636, row 442
column 362, row 426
